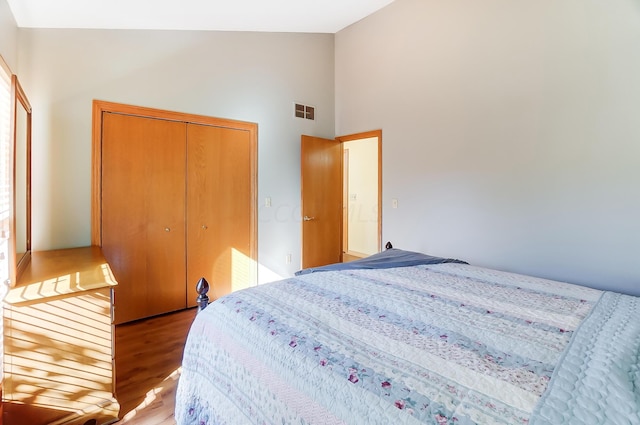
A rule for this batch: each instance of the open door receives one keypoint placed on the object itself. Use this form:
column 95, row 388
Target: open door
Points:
column 321, row 201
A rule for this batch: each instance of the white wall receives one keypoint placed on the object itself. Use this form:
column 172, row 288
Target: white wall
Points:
column 510, row 128
column 8, row 36
column 511, row 131
column 252, row 77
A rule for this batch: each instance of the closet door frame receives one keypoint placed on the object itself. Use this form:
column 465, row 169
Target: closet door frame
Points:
column 100, row 107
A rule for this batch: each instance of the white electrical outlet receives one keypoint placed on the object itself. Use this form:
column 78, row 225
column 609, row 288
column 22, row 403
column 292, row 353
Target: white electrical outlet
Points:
column 267, row 201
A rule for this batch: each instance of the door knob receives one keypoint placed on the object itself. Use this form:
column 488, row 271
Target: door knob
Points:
column 307, row 218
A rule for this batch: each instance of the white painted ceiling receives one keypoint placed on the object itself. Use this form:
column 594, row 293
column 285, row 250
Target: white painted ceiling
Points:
column 316, row 16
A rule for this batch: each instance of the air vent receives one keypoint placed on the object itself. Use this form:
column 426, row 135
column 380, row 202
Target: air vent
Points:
column 304, row 111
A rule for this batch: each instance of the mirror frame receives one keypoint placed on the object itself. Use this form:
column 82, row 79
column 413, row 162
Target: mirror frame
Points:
column 19, row 100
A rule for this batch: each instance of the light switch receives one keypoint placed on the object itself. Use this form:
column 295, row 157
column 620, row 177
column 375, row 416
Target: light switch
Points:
column 394, row 203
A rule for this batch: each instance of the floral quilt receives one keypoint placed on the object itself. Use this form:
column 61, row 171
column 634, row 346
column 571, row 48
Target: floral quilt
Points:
column 430, row 344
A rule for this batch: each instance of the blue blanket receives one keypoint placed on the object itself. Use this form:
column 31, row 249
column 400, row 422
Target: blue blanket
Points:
column 387, row 259
column 597, row 380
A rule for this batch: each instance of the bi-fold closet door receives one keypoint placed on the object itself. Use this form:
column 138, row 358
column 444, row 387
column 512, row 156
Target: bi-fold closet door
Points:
column 178, row 203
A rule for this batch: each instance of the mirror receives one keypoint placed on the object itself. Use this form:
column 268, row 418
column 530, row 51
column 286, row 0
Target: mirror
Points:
column 21, row 131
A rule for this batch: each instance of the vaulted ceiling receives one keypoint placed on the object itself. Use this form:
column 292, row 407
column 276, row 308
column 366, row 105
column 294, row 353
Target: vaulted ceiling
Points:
column 316, row 16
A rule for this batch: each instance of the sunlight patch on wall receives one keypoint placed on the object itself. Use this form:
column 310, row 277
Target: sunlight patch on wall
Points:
column 244, row 271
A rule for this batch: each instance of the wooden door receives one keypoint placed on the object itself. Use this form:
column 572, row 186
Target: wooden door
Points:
column 220, row 210
column 143, row 213
column 321, row 182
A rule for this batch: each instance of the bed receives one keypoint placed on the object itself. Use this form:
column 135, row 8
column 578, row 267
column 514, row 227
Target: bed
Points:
column 406, row 338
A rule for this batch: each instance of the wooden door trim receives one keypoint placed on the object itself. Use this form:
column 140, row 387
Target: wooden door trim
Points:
column 100, row 106
column 345, row 200
column 367, row 135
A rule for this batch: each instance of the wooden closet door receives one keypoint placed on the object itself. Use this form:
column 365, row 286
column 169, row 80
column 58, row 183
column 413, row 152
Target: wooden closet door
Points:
column 143, row 213
column 220, row 210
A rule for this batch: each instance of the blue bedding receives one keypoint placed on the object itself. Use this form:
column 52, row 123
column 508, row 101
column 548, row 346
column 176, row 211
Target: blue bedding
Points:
column 406, row 338
column 433, row 344
column 387, row 259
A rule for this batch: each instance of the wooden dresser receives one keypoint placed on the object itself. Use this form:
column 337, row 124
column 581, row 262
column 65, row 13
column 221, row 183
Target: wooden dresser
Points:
column 58, row 343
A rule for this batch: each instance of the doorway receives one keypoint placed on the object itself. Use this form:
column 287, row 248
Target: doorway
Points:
column 362, row 195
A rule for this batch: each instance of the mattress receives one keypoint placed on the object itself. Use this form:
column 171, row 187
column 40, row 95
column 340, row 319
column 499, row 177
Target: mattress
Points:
column 438, row 343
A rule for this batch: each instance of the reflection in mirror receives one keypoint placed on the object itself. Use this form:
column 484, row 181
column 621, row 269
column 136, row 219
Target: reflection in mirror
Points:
column 21, row 183
column 21, row 178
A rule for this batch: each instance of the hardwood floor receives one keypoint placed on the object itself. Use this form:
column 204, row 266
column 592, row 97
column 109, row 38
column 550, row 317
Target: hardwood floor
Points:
column 148, row 358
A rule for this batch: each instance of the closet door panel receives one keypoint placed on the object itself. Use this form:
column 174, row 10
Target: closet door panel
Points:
column 220, row 210
column 143, row 210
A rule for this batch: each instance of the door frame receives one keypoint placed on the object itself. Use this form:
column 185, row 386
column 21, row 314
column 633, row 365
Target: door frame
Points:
column 100, row 107
column 345, row 201
column 367, row 135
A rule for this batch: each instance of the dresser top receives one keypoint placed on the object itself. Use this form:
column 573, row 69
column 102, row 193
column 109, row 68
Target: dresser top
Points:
column 59, row 273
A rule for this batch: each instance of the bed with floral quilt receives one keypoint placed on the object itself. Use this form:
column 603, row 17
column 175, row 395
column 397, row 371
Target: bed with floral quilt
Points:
column 437, row 341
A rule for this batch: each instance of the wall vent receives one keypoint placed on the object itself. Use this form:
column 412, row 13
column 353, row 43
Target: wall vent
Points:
column 304, row 111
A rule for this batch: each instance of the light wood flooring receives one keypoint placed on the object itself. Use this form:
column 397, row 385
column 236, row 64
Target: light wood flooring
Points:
column 148, row 357
column 346, row 257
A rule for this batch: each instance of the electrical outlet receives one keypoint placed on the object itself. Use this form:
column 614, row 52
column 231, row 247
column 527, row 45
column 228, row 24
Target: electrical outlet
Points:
column 267, row 201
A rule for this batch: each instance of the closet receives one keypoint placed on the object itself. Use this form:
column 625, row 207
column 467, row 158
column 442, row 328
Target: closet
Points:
column 174, row 200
